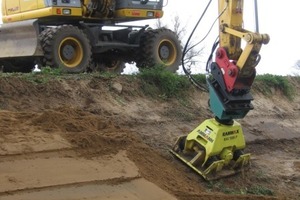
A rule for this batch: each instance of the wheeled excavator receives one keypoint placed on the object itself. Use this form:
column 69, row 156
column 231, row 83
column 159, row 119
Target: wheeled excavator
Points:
column 215, row 148
column 84, row 35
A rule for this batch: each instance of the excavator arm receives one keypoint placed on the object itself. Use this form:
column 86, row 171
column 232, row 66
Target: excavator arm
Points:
column 233, row 71
column 214, row 149
column 237, row 63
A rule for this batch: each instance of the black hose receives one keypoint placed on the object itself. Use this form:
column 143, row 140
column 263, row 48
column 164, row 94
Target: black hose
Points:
column 185, row 50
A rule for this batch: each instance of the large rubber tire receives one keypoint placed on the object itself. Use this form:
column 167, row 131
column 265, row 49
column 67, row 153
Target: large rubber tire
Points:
column 160, row 47
column 66, row 47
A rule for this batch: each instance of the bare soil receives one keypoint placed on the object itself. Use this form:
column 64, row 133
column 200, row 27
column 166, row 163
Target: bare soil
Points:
column 91, row 137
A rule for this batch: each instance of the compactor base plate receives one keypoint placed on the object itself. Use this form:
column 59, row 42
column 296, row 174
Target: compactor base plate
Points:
column 202, row 171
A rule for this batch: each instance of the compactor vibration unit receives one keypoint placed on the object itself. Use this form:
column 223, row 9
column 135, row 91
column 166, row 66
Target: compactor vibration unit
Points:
column 84, row 35
column 215, row 148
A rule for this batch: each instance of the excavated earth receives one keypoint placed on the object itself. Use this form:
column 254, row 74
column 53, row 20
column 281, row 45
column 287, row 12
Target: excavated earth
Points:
column 94, row 137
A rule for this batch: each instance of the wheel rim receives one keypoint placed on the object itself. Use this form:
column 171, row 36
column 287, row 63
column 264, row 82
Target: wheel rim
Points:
column 70, row 52
column 167, row 52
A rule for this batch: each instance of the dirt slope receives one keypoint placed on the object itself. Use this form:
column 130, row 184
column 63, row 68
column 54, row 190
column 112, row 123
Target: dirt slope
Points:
column 89, row 137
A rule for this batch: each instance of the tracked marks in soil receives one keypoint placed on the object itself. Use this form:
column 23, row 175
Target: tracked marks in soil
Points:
column 276, row 162
column 62, row 168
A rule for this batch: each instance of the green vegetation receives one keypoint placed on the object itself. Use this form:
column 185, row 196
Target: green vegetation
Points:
column 220, row 186
column 259, row 190
column 158, row 80
column 265, row 83
column 43, row 76
column 256, row 189
column 47, row 74
column 200, row 78
column 51, row 71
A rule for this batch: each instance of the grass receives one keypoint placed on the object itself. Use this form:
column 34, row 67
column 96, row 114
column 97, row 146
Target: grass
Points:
column 200, row 78
column 48, row 73
column 259, row 190
column 51, row 71
column 43, row 76
column 159, row 82
column 243, row 190
column 220, row 186
column 265, row 83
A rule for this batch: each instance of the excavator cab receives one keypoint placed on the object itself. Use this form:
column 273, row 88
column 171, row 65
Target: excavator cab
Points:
column 140, row 4
column 138, row 9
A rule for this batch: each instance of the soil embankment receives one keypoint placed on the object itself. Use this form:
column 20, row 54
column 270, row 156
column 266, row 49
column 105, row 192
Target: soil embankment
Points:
column 88, row 137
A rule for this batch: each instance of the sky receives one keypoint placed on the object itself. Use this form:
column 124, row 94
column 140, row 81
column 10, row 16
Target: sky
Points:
column 278, row 19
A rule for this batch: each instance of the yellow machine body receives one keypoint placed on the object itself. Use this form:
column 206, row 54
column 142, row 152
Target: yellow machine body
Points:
column 14, row 11
column 20, row 31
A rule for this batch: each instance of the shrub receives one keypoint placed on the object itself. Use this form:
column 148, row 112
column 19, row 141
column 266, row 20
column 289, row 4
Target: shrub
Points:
column 268, row 81
column 167, row 84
